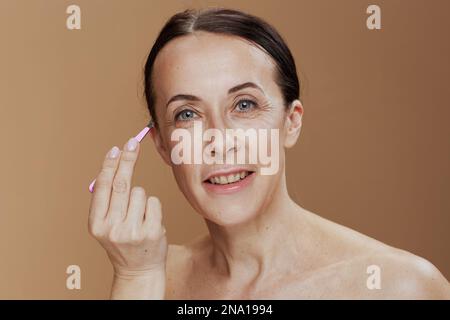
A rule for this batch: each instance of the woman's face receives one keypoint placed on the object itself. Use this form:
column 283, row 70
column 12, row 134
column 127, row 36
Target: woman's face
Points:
column 206, row 66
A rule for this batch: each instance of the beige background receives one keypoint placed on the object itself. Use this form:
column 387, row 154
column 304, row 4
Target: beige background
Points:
column 373, row 154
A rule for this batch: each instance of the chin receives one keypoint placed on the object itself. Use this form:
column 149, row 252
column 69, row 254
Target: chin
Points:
column 231, row 215
column 233, row 209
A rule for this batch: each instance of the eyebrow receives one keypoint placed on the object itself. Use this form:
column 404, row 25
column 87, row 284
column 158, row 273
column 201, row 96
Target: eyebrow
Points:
column 231, row 90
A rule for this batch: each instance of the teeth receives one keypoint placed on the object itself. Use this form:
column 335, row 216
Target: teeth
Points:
column 229, row 178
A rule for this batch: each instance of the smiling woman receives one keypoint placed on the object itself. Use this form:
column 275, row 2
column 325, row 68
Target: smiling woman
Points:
column 225, row 69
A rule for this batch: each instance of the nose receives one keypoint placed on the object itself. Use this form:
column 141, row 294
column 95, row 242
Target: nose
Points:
column 221, row 140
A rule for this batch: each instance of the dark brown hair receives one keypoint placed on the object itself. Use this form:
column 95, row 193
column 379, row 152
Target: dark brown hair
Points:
column 229, row 22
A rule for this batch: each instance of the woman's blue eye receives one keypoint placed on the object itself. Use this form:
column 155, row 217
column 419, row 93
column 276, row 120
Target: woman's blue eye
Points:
column 185, row 115
column 245, row 105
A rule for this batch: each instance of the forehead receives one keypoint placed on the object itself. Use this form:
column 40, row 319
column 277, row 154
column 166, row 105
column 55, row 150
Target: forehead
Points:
column 207, row 65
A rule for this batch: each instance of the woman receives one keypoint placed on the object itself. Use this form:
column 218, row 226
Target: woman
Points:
column 225, row 69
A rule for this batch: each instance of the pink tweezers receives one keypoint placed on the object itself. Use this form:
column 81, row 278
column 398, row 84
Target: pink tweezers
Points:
column 139, row 138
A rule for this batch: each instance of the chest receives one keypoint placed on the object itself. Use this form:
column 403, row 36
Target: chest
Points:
column 207, row 288
column 319, row 285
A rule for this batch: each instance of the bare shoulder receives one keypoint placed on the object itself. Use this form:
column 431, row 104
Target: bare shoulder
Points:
column 408, row 276
column 368, row 268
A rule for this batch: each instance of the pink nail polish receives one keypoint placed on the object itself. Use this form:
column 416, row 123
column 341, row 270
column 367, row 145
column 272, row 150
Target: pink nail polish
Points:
column 132, row 144
column 114, row 152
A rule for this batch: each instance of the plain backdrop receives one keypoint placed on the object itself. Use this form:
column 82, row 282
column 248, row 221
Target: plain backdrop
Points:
column 373, row 154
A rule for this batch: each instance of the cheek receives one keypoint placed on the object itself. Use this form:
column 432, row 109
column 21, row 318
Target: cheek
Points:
column 186, row 176
column 181, row 171
column 275, row 118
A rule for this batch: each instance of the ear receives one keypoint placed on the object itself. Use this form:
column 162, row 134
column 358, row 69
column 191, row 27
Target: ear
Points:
column 293, row 123
column 162, row 150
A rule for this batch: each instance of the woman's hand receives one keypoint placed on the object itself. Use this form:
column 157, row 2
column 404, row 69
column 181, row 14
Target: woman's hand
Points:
column 128, row 225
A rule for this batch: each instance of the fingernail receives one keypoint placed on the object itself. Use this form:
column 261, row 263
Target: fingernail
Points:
column 132, row 144
column 114, row 152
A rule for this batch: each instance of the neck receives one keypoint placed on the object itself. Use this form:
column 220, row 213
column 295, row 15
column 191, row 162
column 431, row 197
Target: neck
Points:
column 251, row 249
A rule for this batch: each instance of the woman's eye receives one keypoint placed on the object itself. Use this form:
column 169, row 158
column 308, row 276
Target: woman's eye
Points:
column 185, row 115
column 245, row 105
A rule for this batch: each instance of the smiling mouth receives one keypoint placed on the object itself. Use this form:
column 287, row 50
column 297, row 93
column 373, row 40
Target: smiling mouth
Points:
column 229, row 178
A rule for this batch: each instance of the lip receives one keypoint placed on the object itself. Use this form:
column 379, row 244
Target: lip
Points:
column 230, row 187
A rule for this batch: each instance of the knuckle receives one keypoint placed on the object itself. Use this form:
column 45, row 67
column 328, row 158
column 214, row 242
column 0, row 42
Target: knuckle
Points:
column 107, row 171
column 153, row 237
column 128, row 156
column 126, row 236
column 135, row 238
column 155, row 234
column 103, row 179
column 120, row 185
column 114, row 236
column 110, row 164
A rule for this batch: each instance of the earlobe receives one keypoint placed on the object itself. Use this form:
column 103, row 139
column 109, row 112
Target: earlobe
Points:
column 293, row 123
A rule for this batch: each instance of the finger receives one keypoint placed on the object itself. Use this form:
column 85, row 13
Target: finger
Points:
column 102, row 189
column 136, row 208
column 122, row 181
column 153, row 215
